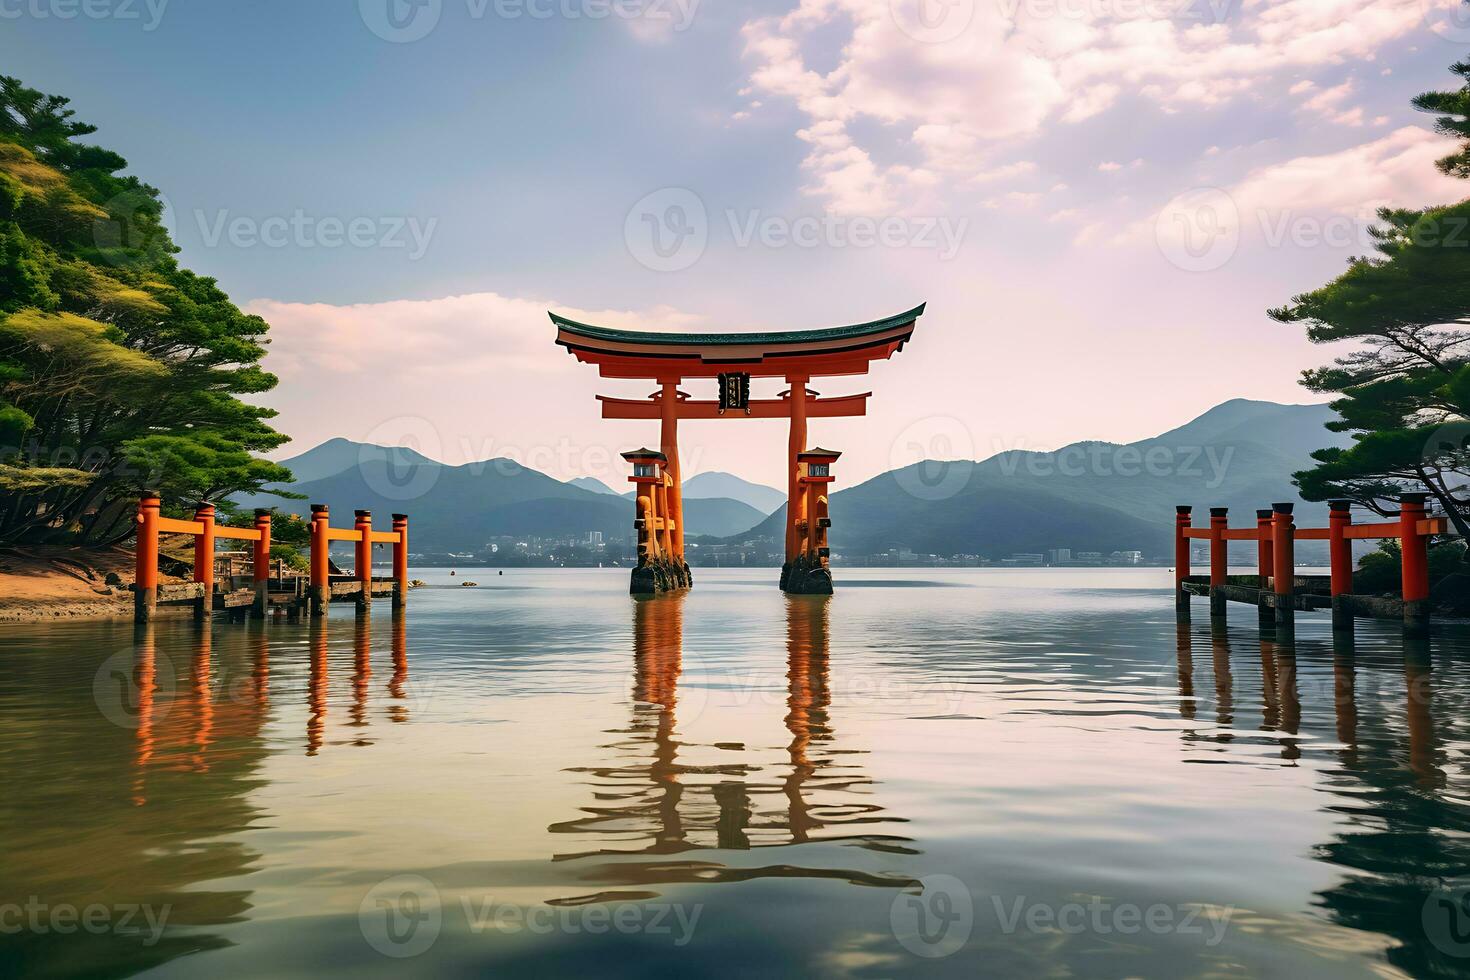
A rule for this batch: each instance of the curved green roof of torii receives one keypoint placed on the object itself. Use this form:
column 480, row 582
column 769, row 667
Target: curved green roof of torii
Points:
column 727, row 339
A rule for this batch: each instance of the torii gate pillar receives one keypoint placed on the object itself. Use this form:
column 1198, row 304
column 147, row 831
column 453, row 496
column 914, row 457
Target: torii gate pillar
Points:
column 669, row 446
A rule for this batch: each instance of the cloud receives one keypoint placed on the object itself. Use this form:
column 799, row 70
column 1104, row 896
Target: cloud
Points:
column 1277, row 199
column 1328, row 102
column 460, row 378
column 1396, row 169
column 988, row 83
column 462, row 336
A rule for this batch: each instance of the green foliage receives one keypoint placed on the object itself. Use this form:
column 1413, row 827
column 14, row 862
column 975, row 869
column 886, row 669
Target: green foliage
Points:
column 1380, row 572
column 1453, row 121
column 119, row 371
column 1404, row 390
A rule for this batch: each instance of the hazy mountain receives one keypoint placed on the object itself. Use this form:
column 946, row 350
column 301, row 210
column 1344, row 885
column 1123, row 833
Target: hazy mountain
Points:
column 593, row 484
column 1089, row 496
column 336, row 455
column 705, row 485
column 459, row 508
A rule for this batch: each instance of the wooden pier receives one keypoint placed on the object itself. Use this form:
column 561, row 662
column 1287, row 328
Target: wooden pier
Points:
column 1278, row 592
column 261, row 593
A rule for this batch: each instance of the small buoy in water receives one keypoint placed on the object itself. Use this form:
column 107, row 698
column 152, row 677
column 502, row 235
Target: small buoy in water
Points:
column 451, row 573
column 501, row 572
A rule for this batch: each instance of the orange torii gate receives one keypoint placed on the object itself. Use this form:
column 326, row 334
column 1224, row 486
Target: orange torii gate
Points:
column 732, row 359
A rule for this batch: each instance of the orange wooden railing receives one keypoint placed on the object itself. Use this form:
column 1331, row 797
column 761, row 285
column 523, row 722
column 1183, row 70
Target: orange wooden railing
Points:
column 1276, row 535
column 152, row 524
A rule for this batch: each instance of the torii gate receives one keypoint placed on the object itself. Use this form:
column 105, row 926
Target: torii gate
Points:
column 733, row 359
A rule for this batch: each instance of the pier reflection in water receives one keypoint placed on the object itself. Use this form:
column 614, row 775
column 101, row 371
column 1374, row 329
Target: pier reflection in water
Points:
column 1403, row 844
column 788, row 766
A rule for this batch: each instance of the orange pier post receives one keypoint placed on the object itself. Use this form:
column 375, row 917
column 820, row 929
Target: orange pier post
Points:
column 362, row 566
column 1340, row 559
column 1283, row 556
column 1182, row 523
column 145, row 577
column 1219, row 560
column 400, row 562
column 204, row 560
column 1265, row 563
column 261, row 567
column 319, row 586
column 1415, row 548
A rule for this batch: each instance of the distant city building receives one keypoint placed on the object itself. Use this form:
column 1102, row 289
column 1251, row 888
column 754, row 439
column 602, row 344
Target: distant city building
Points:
column 1024, row 558
column 1127, row 557
column 1057, row 556
column 594, row 537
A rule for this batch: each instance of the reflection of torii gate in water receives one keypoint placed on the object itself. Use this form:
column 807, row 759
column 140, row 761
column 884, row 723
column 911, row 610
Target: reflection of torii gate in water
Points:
column 797, row 356
column 658, row 799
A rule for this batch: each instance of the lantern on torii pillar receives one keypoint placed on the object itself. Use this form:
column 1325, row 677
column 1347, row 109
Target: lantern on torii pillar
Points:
column 809, row 572
column 659, row 568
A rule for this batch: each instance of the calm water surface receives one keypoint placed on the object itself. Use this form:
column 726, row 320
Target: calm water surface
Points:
column 968, row 772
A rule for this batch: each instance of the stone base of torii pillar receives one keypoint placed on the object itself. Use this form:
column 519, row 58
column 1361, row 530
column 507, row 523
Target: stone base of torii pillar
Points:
column 806, row 575
column 660, row 575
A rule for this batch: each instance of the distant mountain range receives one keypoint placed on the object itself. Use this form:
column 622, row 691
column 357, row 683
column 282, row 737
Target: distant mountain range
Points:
column 460, row 508
column 1088, row 496
column 707, row 486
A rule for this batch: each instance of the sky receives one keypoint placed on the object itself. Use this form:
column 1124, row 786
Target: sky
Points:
column 1098, row 199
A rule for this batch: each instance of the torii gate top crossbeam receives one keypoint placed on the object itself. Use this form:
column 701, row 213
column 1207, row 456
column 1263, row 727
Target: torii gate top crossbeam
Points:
column 792, row 353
